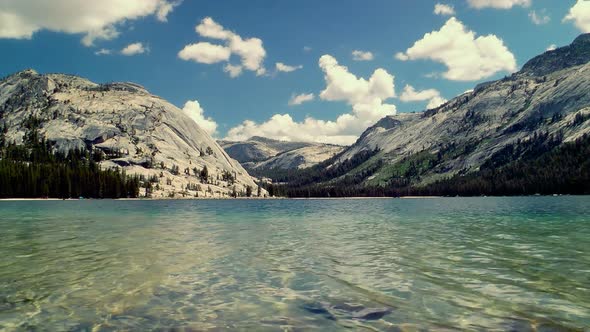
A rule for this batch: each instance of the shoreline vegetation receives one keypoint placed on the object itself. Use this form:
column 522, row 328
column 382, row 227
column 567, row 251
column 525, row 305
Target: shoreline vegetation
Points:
column 16, row 199
column 34, row 169
column 542, row 166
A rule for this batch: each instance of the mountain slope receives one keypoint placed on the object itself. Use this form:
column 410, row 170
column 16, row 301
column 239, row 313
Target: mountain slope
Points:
column 258, row 148
column 134, row 130
column 298, row 158
column 259, row 154
column 547, row 98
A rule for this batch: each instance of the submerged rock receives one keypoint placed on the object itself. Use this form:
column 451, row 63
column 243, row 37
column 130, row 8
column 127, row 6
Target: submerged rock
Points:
column 371, row 313
column 318, row 309
column 348, row 310
column 519, row 326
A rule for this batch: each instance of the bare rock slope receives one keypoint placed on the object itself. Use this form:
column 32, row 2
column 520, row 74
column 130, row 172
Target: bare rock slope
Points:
column 260, row 153
column 137, row 131
column 551, row 95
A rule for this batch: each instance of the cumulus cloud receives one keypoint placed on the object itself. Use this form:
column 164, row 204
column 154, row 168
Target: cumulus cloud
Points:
column 358, row 55
column 134, row 49
column 433, row 96
column 106, row 33
column 467, row 58
column 281, row 67
column 435, row 102
column 444, row 9
column 498, row 4
column 361, row 94
column 208, row 28
column 233, row 70
column 205, row 53
column 551, row 47
column 250, row 50
column 193, row 109
column 579, row 14
column 96, row 20
column 367, row 97
column 166, row 8
column 300, row 99
column 539, row 18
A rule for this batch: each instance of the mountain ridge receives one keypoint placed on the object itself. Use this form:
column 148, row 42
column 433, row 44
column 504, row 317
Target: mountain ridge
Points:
column 260, row 154
column 134, row 130
column 575, row 54
column 415, row 150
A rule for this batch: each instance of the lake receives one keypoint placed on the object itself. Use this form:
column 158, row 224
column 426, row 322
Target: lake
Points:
column 516, row 264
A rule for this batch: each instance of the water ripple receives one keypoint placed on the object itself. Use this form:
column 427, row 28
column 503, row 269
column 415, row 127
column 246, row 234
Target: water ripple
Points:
column 518, row 264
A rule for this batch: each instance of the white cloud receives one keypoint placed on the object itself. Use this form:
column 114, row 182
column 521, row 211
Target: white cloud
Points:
column 435, row 102
column 106, row 33
column 411, row 94
column 134, row 49
column 251, row 50
column 580, row 15
column 433, row 96
column 103, row 51
column 367, row 98
column 498, row 4
column 97, row 20
column 341, row 85
column 307, row 49
column 358, row 55
column 281, row 67
column 467, row 58
column 444, row 9
column 300, row 99
column 205, row 53
column 208, row 28
column 551, row 47
column 194, row 110
column 166, row 8
column 233, row 70
column 539, row 18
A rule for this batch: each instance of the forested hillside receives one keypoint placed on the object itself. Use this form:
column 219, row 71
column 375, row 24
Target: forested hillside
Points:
column 36, row 170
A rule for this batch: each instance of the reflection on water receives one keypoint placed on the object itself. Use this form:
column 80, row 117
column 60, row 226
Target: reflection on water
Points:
column 519, row 264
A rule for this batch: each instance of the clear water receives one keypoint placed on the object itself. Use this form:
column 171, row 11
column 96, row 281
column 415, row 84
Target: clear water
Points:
column 507, row 264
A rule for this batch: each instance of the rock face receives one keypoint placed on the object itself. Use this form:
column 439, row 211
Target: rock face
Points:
column 572, row 55
column 135, row 130
column 259, row 153
column 258, row 148
column 550, row 95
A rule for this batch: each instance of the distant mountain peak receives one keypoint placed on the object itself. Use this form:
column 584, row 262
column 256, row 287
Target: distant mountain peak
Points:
column 28, row 71
column 548, row 99
column 582, row 39
column 575, row 54
column 263, row 139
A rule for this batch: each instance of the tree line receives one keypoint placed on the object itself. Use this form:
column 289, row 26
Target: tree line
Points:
column 541, row 165
column 35, row 170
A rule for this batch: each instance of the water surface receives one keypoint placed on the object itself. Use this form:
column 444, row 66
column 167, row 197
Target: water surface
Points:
column 477, row 264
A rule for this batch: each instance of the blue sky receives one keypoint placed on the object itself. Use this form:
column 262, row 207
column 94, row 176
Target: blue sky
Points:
column 296, row 33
